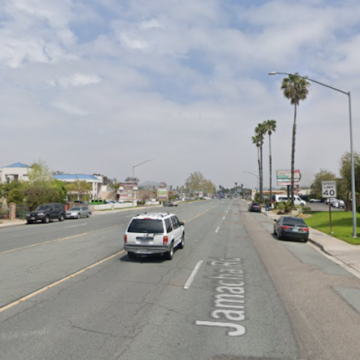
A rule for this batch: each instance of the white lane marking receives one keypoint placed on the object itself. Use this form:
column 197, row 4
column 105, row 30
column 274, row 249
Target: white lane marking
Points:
column 193, row 274
column 224, row 218
column 72, row 226
column 217, row 229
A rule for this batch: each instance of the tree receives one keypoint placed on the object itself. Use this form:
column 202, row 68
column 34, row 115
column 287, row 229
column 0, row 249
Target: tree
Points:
column 322, row 175
column 257, row 141
column 16, row 196
column 114, row 185
column 40, row 172
column 79, row 189
column 270, row 127
column 260, row 131
column 345, row 172
column 196, row 182
column 37, row 194
column 295, row 88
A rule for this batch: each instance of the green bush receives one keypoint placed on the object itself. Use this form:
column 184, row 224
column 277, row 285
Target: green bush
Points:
column 306, row 209
column 257, row 198
column 16, row 196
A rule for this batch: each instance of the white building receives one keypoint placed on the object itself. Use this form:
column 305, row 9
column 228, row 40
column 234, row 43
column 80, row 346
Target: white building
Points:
column 17, row 171
column 95, row 181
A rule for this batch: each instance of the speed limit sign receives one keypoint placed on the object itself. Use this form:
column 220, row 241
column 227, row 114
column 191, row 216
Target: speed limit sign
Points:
column 328, row 189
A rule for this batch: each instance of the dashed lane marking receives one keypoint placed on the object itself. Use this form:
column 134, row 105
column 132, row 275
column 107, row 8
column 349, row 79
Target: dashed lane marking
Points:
column 193, row 274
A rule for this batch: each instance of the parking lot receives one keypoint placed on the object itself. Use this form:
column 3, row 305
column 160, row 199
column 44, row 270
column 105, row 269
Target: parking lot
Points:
column 321, row 207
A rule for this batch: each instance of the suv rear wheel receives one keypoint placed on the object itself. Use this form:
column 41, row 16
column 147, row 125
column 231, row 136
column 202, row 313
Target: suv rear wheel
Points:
column 131, row 255
column 182, row 242
column 169, row 254
column 61, row 217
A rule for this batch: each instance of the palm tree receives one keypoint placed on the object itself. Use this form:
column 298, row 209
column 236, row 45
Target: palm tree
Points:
column 260, row 132
column 270, row 127
column 256, row 140
column 114, row 185
column 295, row 88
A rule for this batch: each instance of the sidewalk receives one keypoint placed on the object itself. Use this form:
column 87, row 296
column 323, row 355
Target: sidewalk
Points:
column 5, row 223
column 345, row 253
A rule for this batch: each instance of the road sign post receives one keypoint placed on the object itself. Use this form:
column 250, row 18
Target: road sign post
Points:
column 329, row 191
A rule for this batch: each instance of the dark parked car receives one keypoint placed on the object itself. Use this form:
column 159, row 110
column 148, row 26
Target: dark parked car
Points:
column 46, row 213
column 288, row 227
column 254, row 206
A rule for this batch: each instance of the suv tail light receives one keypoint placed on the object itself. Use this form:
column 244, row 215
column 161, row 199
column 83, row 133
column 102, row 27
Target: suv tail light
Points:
column 125, row 239
column 165, row 240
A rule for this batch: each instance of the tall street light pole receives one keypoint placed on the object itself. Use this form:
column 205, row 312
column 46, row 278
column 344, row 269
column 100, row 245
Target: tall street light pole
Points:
column 353, row 195
column 133, row 175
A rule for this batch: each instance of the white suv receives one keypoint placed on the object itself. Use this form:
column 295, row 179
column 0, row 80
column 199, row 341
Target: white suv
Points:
column 154, row 234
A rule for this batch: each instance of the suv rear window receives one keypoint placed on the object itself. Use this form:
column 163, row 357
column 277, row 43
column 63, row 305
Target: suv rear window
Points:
column 146, row 226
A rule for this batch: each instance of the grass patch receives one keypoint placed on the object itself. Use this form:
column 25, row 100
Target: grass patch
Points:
column 341, row 225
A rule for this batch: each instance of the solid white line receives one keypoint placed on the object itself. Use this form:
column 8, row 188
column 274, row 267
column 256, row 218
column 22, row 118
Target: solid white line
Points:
column 217, row 229
column 224, row 218
column 193, row 274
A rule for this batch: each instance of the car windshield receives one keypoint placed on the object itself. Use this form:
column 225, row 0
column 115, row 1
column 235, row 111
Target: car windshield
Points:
column 43, row 208
column 75, row 209
column 257, row 204
column 146, row 226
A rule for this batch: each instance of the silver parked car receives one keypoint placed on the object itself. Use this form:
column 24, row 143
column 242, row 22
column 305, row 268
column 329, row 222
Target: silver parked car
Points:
column 78, row 212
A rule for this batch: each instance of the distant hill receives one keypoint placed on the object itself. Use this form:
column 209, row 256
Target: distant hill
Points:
column 149, row 183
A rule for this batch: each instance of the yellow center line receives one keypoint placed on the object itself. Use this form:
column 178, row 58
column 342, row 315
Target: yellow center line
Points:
column 37, row 292
column 198, row 215
column 71, row 276
column 57, row 240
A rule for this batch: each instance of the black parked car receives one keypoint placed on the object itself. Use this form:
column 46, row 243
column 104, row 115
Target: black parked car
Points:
column 289, row 227
column 254, row 206
column 46, row 213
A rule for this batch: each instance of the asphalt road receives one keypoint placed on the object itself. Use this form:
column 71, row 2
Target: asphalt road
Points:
column 68, row 291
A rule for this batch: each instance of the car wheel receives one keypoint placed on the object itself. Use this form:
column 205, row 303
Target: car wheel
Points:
column 46, row 219
column 305, row 240
column 182, row 243
column 61, row 217
column 131, row 255
column 274, row 232
column 169, row 254
column 278, row 236
column 78, row 216
column 29, row 221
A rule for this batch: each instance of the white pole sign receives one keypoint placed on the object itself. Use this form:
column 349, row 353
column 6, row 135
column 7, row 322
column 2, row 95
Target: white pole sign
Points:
column 328, row 189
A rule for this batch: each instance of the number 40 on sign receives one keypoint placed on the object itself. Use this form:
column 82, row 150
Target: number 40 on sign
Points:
column 328, row 189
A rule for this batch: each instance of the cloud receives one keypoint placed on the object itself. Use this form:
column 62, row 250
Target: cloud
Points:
column 71, row 109
column 190, row 73
column 76, row 80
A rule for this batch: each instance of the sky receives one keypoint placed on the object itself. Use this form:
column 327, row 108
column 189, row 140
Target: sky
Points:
column 99, row 86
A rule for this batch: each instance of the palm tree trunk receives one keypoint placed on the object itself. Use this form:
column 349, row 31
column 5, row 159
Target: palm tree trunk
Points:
column 261, row 175
column 270, row 170
column 259, row 165
column 293, row 160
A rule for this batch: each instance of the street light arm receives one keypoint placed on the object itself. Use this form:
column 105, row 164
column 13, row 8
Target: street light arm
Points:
column 315, row 81
column 140, row 164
